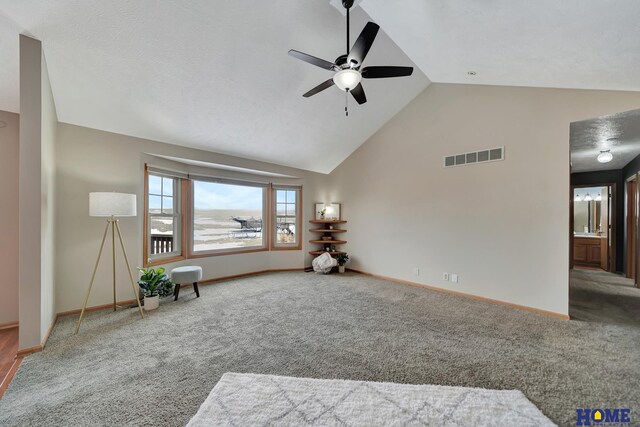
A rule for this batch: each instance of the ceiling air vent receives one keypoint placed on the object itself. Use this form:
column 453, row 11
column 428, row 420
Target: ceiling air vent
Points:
column 482, row 156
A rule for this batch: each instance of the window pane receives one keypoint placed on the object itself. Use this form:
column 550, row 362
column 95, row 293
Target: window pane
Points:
column 155, row 184
column 286, row 230
column 167, row 205
column 167, row 186
column 286, row 215
column 155, row 204
column 162, row 236
column 226, row 216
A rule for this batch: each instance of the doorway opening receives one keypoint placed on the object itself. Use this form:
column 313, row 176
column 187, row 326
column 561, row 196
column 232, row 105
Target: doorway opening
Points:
column 593, row 227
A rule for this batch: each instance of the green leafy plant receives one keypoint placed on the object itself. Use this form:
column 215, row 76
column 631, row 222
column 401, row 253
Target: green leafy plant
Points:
column 154, row 281
column 323, row 212
column 342, row 259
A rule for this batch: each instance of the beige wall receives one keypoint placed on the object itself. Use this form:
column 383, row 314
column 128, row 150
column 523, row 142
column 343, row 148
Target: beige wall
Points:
column 10, row 146
column 502, row 226
column 47, row 187
column 30, row 191
column 91, row 160
column 38, row 122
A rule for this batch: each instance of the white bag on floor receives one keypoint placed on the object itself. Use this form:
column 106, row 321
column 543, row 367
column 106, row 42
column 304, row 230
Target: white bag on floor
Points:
column 324, row 263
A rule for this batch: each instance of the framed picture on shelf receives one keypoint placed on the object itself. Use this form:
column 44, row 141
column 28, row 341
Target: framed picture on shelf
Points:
column 318, row 209
column 333, row 211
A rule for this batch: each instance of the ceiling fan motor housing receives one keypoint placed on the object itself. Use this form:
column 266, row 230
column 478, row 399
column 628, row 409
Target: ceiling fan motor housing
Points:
column 347, row 4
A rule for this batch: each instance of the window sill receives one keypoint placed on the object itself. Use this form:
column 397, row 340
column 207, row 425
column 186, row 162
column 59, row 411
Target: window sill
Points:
column 287, row 248
column 160, row 261
column 226, row 252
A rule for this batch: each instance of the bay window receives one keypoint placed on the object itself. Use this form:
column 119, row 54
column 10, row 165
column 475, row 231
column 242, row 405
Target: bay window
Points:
column 193, row 216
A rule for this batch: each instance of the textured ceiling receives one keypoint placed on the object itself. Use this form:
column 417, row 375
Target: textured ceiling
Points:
column 211, row 75
column 587, row 44
column 619, row 133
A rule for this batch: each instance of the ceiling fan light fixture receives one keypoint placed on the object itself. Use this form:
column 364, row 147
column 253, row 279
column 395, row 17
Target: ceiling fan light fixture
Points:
column 605, row 156
column 347, row 79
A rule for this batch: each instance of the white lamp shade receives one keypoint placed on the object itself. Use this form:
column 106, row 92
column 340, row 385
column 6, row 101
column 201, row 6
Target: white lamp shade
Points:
column 347, row 79
column 112, row 204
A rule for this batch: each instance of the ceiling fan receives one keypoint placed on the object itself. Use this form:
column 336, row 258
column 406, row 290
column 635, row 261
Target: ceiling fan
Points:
column 347, row 68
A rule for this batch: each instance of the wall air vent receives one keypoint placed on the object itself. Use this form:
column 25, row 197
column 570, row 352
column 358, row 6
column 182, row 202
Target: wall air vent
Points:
column 482, row 156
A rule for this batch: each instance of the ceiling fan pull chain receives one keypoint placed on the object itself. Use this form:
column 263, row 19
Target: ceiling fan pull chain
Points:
column 346, row 103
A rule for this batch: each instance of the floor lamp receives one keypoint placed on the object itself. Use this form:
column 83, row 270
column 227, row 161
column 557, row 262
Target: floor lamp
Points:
column 111, row 206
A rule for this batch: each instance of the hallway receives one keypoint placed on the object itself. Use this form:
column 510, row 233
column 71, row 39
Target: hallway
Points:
column 602, row 297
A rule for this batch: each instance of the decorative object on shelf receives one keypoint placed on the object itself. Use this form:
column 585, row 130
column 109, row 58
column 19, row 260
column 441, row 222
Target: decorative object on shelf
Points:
column 155, row 284
column 111, row 206
column 333, row 211
column 326, row 238
column 320, row 210
column 342, row 261
column 331, row 227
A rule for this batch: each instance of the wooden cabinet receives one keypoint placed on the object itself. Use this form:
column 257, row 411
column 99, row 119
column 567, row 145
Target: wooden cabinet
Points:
column 588, row 250
column 328, row 229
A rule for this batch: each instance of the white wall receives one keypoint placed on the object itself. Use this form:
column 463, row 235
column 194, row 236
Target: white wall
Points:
column 30, row 191
column 38, row 123
column 503, row 226
column 48, row 198
column 91, row 160
column 10, row 147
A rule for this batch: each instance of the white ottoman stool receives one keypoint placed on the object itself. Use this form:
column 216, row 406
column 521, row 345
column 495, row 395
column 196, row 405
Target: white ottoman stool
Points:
column 187, row 274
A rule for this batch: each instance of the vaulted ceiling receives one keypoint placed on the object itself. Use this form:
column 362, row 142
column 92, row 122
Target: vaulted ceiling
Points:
column 216, row 75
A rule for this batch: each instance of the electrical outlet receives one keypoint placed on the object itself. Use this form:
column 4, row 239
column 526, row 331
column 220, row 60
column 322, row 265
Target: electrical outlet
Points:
column 454, row 278
column 416, row 271
column 445, row 276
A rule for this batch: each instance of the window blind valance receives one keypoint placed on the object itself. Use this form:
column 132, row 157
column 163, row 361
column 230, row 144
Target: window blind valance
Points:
column 230, row 181
column 155, row 170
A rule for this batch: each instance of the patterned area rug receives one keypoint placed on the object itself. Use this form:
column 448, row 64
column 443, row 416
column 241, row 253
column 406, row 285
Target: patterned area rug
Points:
column 252, row 400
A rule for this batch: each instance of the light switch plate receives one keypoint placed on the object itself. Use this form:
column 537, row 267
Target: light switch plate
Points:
column 454, row 278
column 445, row 276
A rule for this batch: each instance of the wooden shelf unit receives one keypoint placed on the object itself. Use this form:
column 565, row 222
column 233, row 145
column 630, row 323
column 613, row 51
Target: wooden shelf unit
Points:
column 326, row 231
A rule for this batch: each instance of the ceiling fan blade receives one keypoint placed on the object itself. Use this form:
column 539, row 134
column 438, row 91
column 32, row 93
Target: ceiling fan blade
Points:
column 312, row 60
column 363, row 43
column 358, row 94
column 385, row 72
column 322, row 86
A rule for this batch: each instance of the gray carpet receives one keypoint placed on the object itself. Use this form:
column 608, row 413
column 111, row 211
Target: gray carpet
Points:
column 121, row 370
column 598, row 296
column 273, row 400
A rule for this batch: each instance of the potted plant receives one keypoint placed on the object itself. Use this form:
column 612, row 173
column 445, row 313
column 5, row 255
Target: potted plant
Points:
column 323, row 212
column 342, row 261
column 154, row 284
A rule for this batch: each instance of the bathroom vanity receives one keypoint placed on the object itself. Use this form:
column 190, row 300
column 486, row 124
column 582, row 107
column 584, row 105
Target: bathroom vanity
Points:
column 590, row 250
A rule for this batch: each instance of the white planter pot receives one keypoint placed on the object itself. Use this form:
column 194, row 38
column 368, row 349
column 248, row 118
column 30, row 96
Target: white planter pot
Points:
column 151, row 303
column 341, row 269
